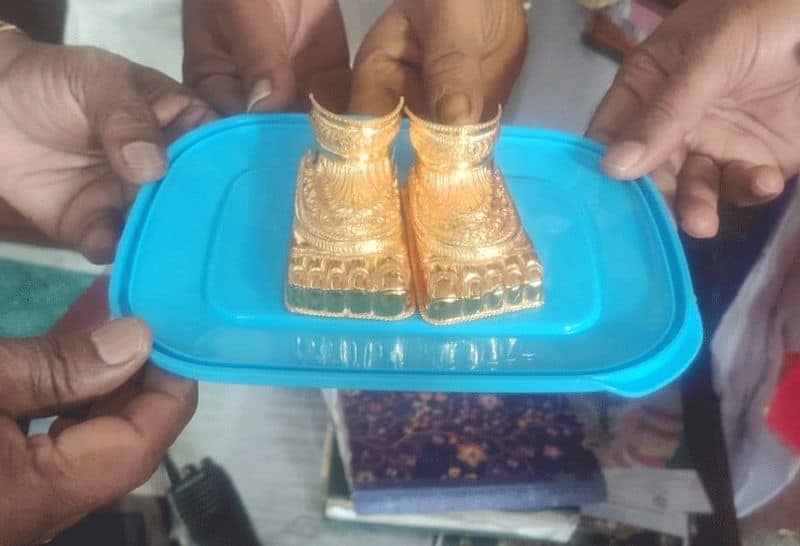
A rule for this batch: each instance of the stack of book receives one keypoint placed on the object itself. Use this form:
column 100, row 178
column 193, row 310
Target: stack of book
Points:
column 560, row 469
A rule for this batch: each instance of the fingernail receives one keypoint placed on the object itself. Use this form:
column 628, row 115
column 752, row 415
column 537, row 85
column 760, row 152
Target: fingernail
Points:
column 119, row 341
column 194, row 115
column 623, row 157
column 701, row 226
column 145, row 157
column 99, row 243
column 453, row 108
column 260, row 91
column 766, row 187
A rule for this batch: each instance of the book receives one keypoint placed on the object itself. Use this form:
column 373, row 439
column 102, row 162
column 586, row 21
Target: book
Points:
column 553, row 525
column 669, row 523
column 638, row 444
column 650, row 480
column 591, row 532
column 435, row 452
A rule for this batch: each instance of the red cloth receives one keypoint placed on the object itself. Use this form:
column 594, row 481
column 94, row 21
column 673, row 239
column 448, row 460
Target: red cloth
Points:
column 783, row 416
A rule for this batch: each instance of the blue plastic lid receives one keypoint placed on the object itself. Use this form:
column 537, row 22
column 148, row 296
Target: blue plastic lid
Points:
column 204, row 253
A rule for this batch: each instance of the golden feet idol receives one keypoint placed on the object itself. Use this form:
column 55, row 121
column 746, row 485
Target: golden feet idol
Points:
column 348, row 256
column 472, row 257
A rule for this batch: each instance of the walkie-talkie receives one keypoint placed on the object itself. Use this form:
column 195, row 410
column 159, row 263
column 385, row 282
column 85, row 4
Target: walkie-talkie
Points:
column 207, row 501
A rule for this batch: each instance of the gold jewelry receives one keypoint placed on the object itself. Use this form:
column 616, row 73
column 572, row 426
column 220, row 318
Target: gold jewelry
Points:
column 348, row 256
column 471, row 255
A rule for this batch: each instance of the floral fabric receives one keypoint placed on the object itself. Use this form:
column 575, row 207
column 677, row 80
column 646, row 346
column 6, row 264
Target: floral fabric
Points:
column 457, row 439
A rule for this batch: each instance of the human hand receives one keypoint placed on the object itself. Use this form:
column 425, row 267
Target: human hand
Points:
column 80, row 130
column 709, row 104
column 453, row 61
column 50, row 481
column 266, row 55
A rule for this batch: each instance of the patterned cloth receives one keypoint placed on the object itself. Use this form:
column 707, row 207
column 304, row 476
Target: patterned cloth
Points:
column 423, row 452
column 456, row 438
column 33, row 297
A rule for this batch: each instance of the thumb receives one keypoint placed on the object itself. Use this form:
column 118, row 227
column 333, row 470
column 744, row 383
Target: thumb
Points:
column 262, row 57
column 123, row 120
column 451, row 67
column 381, row 71
column 452, row 87
column 667, row 119
column 44, row 375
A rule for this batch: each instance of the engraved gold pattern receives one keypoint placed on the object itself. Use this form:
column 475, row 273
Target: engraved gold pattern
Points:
column 471, row 254
column 348, row 256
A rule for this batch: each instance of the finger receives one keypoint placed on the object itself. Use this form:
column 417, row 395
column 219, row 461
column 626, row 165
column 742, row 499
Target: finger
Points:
column 187, row 121
column 505, row 48
column 387, row 68
column 223, row 92
column 330, row 87
column 21, row 520
column 89, row 311
column 134, row 439
column 668, row 117
column 619, row 106
column 61, row 424
column 99, row 238
column 44, row 375
column 207, row 66
column 177, row 110
column 698, row 195
column 92, row 463
column 322, row 57
column 666, row 178
column 746, row 184
column 121, row 117
column 667, row 185
column 624, row 102
column 92, row 224
column 451, row 65
column 261, row 55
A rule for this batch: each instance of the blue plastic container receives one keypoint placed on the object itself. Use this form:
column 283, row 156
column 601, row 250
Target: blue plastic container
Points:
column 204, row 252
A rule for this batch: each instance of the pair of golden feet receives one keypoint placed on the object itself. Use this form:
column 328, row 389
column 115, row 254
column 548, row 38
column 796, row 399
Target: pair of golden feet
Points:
column 461, row 244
